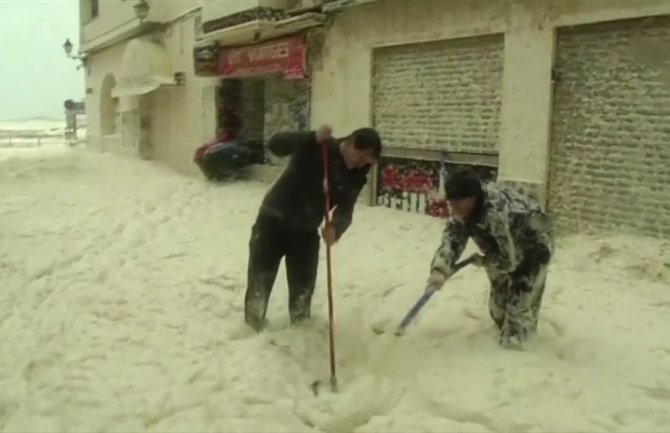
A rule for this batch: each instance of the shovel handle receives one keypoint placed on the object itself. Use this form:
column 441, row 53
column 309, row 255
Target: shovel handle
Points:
column 430, row 291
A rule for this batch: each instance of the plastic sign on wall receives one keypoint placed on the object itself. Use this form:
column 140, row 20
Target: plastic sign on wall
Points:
column 286, row 56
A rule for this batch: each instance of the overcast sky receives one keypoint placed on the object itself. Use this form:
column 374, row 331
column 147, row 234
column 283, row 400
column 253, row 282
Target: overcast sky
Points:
column 35, row 75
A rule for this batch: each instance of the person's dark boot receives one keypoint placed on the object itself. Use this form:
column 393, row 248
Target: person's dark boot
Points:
column 254, row 314
column 300, row 314
column 496, row 319
column 257, row 324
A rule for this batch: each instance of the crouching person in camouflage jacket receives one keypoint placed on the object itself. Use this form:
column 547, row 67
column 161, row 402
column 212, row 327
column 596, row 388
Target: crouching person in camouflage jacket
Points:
column 515, row 236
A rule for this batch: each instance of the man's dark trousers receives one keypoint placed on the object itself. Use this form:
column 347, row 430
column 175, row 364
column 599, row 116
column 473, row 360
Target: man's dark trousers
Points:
column 271, row 240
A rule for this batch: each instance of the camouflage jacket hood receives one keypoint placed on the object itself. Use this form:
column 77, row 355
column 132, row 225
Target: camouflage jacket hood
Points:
column 506, row 226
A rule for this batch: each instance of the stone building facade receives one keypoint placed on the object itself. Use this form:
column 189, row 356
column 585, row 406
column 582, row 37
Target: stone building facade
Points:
column 565, row 100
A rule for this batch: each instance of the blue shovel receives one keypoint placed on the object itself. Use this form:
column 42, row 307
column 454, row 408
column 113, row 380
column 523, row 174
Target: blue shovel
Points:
column 430, row 291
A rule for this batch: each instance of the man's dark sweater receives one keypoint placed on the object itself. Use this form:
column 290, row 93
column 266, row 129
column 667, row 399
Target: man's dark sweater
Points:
column 297, row 197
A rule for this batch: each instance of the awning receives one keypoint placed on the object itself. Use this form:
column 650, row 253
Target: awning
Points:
column 145, row 66
column 261, row 30
column 339, row 5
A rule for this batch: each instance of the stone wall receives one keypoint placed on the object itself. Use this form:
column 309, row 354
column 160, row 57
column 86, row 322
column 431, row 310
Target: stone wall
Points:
column 130, row 129
column 286, row 108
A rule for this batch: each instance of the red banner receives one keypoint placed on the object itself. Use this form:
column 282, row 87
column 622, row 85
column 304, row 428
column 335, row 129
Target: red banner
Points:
column 287, row 56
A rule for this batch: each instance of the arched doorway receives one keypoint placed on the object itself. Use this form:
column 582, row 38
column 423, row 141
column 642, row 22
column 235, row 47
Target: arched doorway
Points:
column 108, row 106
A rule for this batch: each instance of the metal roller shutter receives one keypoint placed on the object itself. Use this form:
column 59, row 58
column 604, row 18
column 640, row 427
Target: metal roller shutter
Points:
column 442, row 95
column 610, row 151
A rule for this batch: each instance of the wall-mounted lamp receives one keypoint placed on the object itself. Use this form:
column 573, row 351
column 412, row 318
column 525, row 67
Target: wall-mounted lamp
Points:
column 179, row 78
column 67, row 47
column 141, row 10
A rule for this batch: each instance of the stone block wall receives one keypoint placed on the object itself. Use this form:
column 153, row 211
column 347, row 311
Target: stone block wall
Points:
column 286, row 108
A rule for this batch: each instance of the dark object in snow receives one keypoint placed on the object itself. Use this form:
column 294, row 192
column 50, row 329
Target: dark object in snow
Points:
column 227, row 159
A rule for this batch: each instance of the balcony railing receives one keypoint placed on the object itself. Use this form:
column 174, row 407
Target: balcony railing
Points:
column 25, row 139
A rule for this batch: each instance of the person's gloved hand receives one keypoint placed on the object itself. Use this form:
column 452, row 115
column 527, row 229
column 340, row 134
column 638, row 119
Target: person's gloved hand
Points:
column 329, row 234
column 478, row 260
column 323, row 133
column 436, row 280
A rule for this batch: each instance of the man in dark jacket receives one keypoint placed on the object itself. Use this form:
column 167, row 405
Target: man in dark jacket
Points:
column 515, row 235
column 293, row 209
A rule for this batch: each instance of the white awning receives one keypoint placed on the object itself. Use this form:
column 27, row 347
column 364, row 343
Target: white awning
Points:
column 145, row 66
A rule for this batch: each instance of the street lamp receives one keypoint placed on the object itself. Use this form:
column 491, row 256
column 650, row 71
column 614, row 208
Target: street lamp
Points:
column 141, row 10
column 67, row 46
